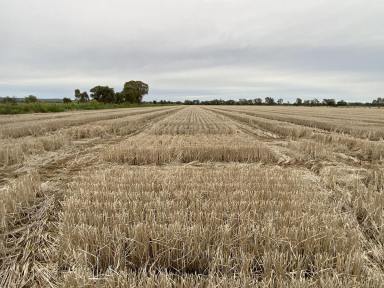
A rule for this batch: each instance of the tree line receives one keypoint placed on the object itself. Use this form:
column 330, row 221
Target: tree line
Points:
column 134, row 91
column 271, row 101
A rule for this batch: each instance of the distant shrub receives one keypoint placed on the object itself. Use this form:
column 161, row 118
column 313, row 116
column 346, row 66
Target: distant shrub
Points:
column 30, row 99
column 341, row 103
column 9, row 100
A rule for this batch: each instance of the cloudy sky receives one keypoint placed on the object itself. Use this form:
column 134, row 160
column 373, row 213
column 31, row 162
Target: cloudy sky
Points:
column 194, row 49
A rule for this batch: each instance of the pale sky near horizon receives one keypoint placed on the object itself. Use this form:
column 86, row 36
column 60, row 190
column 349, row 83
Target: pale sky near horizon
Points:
column 195, row 49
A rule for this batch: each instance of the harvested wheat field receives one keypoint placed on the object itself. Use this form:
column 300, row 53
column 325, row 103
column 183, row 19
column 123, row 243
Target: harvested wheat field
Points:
column 193, row 196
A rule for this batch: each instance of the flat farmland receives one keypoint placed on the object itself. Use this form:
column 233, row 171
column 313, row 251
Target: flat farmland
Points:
column 193, row 196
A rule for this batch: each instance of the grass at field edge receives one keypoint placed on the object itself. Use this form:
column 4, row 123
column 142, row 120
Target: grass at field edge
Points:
column 43, row 107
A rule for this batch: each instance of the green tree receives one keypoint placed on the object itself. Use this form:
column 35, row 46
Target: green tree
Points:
column 67, row 100
column 103, row 94
column 342, row 103
column 81, row 96
column 134, row 91
column 378, row 102
column 329, row 102
column 315, row 102
column 77, row 94
column 119, row 97
column 269, row 101
column 30, row 99
column 243, row 101
column 299, row 101
column 84, row 97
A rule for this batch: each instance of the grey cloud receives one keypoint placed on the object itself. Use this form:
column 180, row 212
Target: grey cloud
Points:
column 202, row 48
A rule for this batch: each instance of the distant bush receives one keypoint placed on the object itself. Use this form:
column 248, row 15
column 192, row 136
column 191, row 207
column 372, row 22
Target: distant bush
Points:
column 9, row 100
column 341, row 103
column 67, row 100
column 30, row 99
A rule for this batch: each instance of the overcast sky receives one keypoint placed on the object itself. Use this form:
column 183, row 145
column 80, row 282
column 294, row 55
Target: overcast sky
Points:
column 194, row 49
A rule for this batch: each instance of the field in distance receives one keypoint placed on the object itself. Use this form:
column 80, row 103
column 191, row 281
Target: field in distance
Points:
column 193, row 196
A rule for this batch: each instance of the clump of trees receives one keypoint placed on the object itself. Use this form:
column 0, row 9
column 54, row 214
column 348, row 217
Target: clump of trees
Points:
column 81, row 96
column 133, row 92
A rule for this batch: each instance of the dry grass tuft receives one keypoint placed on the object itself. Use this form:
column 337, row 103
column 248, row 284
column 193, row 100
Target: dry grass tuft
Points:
column 20, row 193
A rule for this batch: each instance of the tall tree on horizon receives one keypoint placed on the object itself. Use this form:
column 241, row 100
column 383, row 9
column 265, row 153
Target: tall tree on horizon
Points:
column 134, row 91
